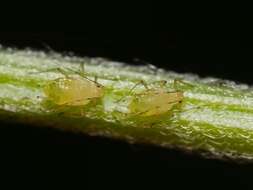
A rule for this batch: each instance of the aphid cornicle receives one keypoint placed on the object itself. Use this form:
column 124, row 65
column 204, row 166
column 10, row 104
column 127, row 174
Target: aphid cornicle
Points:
column 154, row 102
column 73, row 91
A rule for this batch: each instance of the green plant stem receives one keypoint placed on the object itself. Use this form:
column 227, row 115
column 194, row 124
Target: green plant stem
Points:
column 215, row 117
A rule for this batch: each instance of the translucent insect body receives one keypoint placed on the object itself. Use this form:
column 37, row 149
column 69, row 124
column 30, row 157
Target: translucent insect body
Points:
column 155, row 101
column 73, row 91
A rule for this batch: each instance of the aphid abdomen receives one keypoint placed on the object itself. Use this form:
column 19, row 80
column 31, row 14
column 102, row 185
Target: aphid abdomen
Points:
column 155, row 102
column 72, row 91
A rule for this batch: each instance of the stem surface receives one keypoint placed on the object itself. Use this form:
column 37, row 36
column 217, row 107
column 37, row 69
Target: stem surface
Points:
column 215, row 116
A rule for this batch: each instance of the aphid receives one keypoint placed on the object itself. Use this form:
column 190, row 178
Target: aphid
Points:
column 155, row 101
column 73, row 91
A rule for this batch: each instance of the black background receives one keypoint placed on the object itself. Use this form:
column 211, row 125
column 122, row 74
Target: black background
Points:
column 225, row 55
column 135, row 37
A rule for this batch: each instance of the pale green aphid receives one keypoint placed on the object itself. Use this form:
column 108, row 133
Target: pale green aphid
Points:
column 73, row 91
column 154, row 102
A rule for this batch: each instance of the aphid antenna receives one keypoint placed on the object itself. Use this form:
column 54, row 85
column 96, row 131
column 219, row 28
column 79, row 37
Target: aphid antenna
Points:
column 142, row 82
column 152, row 68
column 162, row 83
column 66, row 74
column 181, row 81
column 83, row 74
column 47, row 46
column 52, row 70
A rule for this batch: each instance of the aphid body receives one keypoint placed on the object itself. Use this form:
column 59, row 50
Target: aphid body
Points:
column 73, row 91
column 154, row 102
